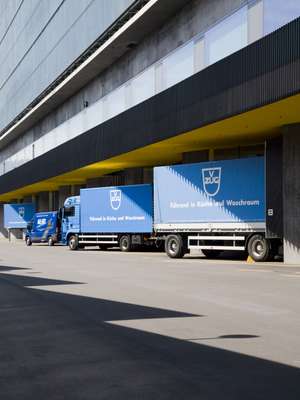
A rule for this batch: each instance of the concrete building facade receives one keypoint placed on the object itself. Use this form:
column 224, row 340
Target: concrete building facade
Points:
column 97, row 92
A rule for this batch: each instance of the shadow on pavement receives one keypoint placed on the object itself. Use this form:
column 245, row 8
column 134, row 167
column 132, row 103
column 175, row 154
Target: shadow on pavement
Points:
column 235, row 336
column 34, row 281
column 5, row 268
column 60, row 346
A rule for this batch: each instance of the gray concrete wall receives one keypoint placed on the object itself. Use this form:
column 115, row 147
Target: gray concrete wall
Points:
column 291, row 194
column 42, row 201
column 3, row 231
column 63, row 193
column 197, row 16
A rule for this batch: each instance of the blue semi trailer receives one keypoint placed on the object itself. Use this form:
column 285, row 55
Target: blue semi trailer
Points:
column 214, row 207
column 210, row 206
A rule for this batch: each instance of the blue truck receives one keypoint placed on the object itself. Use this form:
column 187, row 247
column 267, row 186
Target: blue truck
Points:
column 108, row 216
column 43, row 228
column 214, row 207
column 210, row 206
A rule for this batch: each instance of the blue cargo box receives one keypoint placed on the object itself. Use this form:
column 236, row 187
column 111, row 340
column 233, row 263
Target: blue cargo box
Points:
column 18, row 215
column 210, row 192
column 117, row 209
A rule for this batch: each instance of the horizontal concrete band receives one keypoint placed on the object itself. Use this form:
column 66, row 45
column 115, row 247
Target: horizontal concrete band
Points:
column 260, row 74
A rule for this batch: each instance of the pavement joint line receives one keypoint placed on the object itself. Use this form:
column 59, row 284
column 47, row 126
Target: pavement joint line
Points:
column 255, row 270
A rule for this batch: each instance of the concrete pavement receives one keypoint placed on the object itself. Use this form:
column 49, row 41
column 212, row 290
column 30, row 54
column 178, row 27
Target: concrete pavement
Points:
column 109, row 325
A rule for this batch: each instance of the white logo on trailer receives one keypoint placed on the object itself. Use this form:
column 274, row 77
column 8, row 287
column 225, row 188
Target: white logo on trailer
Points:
column 211, row 178
column 115, row 198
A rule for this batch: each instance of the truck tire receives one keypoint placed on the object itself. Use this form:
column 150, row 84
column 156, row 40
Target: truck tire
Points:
column 73, row 242
column 28, row 241
column 50, row 241
column 259, row 248
column 211, row 253
column 174, row 246
column 125, row 243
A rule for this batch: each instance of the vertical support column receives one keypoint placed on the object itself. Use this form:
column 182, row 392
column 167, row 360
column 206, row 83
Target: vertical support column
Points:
column 273, row 181
column 3, row 231
column 63, row 193
column 50, row 201
column 75, row 189
column 291, row 194
column 148, row 175
column 195, row 156
column 43, row 201
column 133, row 176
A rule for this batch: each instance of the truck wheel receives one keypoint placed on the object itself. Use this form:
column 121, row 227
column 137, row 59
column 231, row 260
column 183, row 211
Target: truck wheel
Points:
column 50, row 241
column 125, row 243
column 174, row 246
column 259, row 248
column 28, row 241
column 73, row 242
column 211, row 253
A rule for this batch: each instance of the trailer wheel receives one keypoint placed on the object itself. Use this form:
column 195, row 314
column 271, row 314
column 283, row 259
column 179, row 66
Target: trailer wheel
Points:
column 259, row 248
column 174, row 246
column 125, row 243
column 211, row 253
column 50, row 241
column 73, row 242
column 28, row 241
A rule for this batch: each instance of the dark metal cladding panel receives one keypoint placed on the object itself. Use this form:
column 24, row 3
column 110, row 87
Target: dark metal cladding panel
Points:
column 260, row 74
column 274, row 197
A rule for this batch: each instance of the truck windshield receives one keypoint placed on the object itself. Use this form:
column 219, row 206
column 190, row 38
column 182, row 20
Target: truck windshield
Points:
column 69, row 212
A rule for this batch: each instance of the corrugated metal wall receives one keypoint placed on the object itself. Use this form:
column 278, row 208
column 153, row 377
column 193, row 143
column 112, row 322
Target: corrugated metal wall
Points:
column 40, row 38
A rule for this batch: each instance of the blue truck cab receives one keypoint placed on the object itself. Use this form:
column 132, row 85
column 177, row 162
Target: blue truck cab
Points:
column 70, row 215
column 43, row 228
